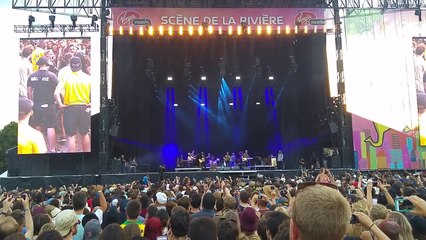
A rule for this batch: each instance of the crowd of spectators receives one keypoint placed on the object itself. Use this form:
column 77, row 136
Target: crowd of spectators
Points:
column 54, row 75
column 351, row 206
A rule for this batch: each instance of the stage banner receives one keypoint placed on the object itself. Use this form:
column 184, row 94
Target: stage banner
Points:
column 274, row 17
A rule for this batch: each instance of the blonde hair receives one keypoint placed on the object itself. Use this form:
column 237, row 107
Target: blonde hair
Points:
column 378, row 211
column 321, row 212
column 282, row 209
column 406, row 231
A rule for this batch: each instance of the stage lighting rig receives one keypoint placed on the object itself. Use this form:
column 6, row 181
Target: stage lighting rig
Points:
column 203, row 73
column 418, row 12
column 270, row 73
column 94, row 20
column 52, row 20
column 74, row 20
column 31, row 20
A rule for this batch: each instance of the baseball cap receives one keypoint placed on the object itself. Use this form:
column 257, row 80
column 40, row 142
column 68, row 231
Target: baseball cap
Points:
column 25, row 105
column 43, row 61
column 75, row 64
column 65, row 221
column 161, row 198
column 92, row 230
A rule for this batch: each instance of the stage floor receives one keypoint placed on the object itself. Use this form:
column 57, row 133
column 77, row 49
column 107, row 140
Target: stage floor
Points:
column 84, row 180
column 43, row 181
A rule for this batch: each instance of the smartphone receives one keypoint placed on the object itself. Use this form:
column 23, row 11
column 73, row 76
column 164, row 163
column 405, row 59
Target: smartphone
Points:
column 403, row 205
column 272, row 188
column 354, row 220
column 162, row 238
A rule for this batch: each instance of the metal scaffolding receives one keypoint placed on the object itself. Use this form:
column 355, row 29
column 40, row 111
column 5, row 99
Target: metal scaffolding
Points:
column 100, row 8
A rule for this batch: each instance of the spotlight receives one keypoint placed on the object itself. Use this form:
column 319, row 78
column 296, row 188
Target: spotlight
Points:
column 257, row 103
column 169, row 78
column 74, row 20
column 52, row 20
column 202, row 104
column 203, row 73
column 176, row 105
column 94, row 20
column 270, row 73
column 418, row 12
column 31, row 19
column 238, row 77
column 231, row 104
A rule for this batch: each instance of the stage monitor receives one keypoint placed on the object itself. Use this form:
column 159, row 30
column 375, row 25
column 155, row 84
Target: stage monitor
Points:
column 54, row 95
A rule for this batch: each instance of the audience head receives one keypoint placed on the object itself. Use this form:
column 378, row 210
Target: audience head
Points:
column 79, row 201
column 319, row 212
column 227, row 230
column 50, row 235
column 203, row 228
column 133, row 209
column 112, row 232
column 179, row 223
column 66, row 223
column 248, row 220
column 208, row 201
column 406, row 232
column 390, row 228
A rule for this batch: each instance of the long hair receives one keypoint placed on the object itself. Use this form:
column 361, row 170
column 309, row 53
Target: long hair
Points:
column 406, row 231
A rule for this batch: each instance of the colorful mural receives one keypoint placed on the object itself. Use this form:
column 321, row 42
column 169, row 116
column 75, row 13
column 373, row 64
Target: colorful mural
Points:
column 380, row 147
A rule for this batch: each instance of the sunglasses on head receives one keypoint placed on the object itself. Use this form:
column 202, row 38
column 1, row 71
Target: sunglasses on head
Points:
column 303, row 185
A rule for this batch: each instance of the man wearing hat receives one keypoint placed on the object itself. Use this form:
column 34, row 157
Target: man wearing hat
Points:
column 66, row 224
column 41, row 88
column 92, row 230
column 75, row 88
column 30, row 141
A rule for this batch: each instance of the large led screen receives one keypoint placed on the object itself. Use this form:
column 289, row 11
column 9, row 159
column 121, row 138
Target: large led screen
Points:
column 54, row 95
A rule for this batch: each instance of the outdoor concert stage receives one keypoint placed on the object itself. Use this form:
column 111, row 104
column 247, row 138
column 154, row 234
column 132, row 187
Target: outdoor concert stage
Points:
column 90, row 179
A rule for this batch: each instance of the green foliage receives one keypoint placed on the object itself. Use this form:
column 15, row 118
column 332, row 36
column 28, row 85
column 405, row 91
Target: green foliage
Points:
column 8, row 139
column 362, row 21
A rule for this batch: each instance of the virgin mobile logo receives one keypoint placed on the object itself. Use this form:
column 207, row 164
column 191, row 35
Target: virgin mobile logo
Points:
column 302, row 18
column 126, row 18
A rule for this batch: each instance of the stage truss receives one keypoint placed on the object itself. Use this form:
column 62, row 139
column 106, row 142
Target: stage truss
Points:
column 100, row 8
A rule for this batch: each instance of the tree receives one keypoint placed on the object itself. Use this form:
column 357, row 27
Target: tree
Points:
column 8, row 139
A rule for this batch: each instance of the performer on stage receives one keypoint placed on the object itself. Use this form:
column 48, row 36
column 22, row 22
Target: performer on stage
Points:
column 133, row 165
column 233, row 160
column 201, row 160
column 245, row 158
column 179, row 161
column 191, row 158
column 280, row 160
column 273, row 160
column 302, row 164
column 226, row 159
column 161, row 170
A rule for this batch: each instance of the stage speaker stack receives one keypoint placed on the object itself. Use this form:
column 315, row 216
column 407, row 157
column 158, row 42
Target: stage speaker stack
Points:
column 335, row 162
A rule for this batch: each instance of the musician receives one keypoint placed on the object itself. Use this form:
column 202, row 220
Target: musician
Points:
column 201, row 160
column 179, row 161
column 191, row 158
column 273, row 160
column 226, row 159
column 280, row 160
column 302, row 164
column 245, row 158
column 161, row 170
column 133, row 165
column 233, row 160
